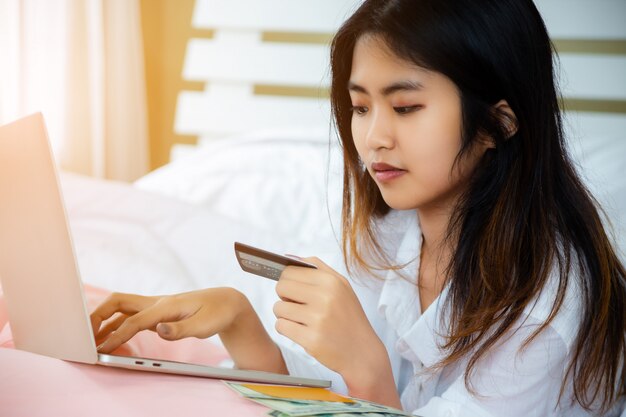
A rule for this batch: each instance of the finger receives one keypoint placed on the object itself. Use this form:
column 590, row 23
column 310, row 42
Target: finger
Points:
column 301, row 274
column 143, row 320
column 296, row 291
column 118, row 302
column 321, row 276
column 110, row 327
column 291, row 311
column 194, row 326
column 321, row 265
column 294, row 331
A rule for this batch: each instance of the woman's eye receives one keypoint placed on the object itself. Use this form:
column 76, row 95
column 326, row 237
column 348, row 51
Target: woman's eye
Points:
column 407, row 109
column 359, row 109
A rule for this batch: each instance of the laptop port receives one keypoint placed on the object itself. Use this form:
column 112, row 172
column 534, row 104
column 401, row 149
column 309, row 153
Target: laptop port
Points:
column 138, row 362
column 156, row 364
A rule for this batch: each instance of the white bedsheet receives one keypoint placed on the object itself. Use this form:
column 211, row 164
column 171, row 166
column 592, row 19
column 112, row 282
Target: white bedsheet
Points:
column 129, row 240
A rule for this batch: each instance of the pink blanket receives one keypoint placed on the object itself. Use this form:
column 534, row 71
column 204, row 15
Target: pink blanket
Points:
column 34, row 385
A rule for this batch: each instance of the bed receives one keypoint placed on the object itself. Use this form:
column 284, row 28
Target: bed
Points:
column 273, row 185
column 173, row 231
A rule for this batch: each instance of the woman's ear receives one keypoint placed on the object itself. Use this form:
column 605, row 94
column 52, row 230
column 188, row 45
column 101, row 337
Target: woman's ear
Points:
column 506, row 117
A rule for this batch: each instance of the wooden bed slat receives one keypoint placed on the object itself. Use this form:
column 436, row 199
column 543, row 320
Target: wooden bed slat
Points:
column 593, row 76
column 276, row 15
column 256, row 62
column 221, row 113
column 584, row 19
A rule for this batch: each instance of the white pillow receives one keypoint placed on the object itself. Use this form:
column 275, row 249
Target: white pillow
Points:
column 275, row 182
column 129, row 240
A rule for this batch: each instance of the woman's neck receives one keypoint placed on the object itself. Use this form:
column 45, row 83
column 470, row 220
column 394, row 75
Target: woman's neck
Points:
column 434, row 256
column 434, row 226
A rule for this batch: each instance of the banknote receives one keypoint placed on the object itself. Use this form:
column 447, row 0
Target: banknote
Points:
column 313, row 408
column 275, row 413
column 301, row 408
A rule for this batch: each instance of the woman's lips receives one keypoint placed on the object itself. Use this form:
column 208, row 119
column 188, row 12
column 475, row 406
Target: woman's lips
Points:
column 385, row 176
column 382, row 166
column 385, row 172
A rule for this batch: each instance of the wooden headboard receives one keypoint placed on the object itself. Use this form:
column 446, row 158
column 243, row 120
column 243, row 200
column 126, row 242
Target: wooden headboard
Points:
column 266, row 65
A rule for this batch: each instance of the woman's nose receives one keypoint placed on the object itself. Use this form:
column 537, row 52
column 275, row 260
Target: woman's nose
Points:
column 380, row 132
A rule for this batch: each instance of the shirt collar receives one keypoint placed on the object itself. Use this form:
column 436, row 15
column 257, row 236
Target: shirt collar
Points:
column 420, row 335
column 399, row 299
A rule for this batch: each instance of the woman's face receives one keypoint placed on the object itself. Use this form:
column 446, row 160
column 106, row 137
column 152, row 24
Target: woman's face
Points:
column 410, row 119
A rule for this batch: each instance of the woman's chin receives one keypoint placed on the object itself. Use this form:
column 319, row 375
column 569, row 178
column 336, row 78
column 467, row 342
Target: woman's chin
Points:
column 397, row 203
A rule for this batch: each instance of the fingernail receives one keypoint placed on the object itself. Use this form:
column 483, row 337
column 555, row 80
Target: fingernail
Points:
column 164, row 329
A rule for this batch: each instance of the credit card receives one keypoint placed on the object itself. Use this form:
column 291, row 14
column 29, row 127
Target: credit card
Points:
column 264, row 263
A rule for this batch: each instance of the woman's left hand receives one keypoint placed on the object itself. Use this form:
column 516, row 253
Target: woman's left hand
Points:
column 320, row 311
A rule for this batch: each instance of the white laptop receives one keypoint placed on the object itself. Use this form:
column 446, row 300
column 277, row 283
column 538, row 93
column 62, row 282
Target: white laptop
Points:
column 38, row 270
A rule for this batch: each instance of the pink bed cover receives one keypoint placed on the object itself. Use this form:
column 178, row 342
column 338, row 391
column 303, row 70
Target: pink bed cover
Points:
column 34, row 385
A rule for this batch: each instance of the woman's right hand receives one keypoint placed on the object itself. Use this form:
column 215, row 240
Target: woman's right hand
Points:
column 200, row 314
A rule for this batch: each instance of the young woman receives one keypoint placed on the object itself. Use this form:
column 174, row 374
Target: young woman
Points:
column 501, row 294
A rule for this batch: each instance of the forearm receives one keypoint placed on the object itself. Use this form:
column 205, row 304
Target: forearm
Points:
column 373, row 380
column 249, row 344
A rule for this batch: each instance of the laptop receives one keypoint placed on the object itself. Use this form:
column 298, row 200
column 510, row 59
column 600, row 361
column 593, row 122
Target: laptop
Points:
column 39, row 273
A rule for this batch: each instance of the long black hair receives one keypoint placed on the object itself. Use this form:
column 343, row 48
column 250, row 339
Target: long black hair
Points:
column 525, row 210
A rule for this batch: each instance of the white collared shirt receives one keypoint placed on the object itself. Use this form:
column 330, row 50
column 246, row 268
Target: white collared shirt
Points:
column 508, row 382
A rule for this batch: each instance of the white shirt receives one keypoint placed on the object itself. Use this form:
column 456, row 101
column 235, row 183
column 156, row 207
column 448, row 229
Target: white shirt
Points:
column 508, row 382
